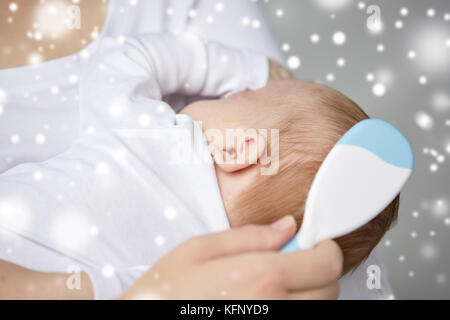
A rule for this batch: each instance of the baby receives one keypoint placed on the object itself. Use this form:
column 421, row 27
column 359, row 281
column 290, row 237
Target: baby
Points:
column 311, row 118
column 141, row 179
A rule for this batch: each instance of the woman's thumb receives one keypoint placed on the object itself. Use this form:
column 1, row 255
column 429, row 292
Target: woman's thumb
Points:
column 247, row 239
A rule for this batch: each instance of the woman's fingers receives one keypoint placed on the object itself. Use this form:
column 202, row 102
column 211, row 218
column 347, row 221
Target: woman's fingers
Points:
column 330, row 292
column 241, row 240
column 313, row 268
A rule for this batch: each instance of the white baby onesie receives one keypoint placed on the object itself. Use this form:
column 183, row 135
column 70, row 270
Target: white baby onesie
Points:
column 139, row 180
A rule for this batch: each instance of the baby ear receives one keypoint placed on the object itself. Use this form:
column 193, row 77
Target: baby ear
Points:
column 243, row 152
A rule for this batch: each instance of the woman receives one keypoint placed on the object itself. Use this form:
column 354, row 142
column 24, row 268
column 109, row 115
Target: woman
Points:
column 39, row 71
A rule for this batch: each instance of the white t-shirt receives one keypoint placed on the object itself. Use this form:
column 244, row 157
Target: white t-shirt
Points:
column 39, row 114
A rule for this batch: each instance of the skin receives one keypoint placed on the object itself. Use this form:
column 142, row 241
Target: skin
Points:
column 235, row 112
column 17, row 46
column 310, row 274
column 275, row 277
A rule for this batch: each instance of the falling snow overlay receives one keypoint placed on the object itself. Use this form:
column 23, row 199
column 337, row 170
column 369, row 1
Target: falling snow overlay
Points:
column 397, row 68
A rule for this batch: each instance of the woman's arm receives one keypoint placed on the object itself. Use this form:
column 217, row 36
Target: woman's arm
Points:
column 21, row 283
column 127, row 78
column 191, row 270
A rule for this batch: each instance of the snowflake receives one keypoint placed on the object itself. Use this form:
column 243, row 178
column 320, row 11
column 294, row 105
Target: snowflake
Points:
column 339, row 38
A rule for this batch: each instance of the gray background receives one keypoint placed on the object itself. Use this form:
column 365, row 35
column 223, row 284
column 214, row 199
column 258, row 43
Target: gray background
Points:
column 417, row 249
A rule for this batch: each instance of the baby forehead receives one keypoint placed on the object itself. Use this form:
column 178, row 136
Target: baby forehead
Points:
column 299, row 90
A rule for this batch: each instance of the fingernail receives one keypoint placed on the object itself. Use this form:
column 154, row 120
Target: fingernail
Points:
column 283, row 224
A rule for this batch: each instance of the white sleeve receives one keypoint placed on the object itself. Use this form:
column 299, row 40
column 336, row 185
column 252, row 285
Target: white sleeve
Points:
column 140, row 70
column 241, row 24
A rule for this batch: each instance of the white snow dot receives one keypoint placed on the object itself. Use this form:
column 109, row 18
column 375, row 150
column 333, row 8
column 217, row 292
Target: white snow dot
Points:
column 145, row 120
column 220, row 6
column 424, row 120
column 161, row 108
column 285, row 47
column 54, row 90
column 434, row 167
column 379, row 89
column 108, row 271
column 423, row 80
column 401, row 258
column 404, row 11
column 370, row 77
column 34, row 59
column 412, row 54
column 380, row 47
column 341, row 62
column 38, row 35
column 431, row 12
column 160, row 240
column 330, row 77
column 116, row 109
column 170, row 213
column 339, row 38
column 440, row 208
column 93, row 231
column 441, row 278
column 73, row 79
column 428, row 251
column 245, row 21
column 315, row 38
column 102, row 168
column 3, row 96
column 121, row 39
column 192, row 13
column 399, row 24
column 279, row 12
column 294, row 62
column 38, row 175
column 256, row 24
column 387, row 243
column 13, row 7
column 40, row 138
column 415, row 214
column 90, row 130
column 15, row 139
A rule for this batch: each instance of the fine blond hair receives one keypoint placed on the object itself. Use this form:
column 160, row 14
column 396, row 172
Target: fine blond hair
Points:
column 310, row 119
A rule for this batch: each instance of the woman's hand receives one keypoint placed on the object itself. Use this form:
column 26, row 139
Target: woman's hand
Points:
column 243, row 264
column 278, row 72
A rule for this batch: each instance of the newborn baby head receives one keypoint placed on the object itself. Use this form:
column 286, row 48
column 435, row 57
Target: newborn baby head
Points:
column 282, row 133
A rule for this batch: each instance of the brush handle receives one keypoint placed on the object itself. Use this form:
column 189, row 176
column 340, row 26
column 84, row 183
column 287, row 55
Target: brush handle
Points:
column 291, row 246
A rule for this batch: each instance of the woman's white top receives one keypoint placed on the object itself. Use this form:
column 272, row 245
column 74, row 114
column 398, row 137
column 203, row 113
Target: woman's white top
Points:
column 40, row 118
column 139, row 179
